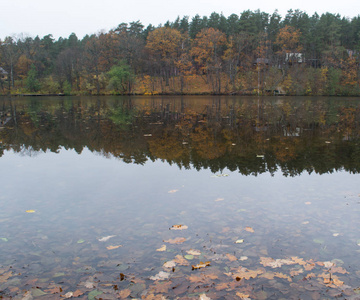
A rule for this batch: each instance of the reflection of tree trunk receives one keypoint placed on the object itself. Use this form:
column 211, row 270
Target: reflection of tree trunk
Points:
column 97, row 80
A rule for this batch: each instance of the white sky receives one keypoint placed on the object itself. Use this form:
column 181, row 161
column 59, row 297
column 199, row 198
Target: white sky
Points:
column 62, row 17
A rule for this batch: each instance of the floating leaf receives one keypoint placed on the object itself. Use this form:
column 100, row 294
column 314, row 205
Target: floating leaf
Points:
column 147, row 134
column 181, row 260
column 4, row 277
column 162, row 248
column 178, row 240
column 169, row 264
column 200, row 265
column 308, row 203
column 193, row 252
column 318, row 241
column 336, row 234
column 305, row 222
column 160, row 276
column 4, row 239
column 189, row 256
column 242, row 258
column 245, row 273
column 80, row 241
column 249, row 229
column 30, row 211
column 239, row 241
column 106, row 238
column 69, row 295
column 173, row 191
column 113, row 247
column 219, row 199
column 178, row 227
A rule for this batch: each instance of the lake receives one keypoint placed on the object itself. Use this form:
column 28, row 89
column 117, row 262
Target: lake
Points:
column 180, row 197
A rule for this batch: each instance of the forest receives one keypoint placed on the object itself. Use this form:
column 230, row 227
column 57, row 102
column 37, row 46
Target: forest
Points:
column 253, row 53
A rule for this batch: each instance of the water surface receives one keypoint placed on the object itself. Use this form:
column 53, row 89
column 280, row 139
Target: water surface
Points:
column 266, row 191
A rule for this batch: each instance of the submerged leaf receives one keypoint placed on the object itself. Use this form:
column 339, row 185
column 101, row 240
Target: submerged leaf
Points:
column 193, row 252
column 80, row 241
column 231, row 257
column 178, row 240
column 160, row 276
column 106, row 238
column 189, row 256
column 113, row 247
column 181, row 260
column 4, row 239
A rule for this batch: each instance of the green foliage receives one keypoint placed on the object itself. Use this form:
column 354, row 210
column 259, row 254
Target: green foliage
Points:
column 121, row 79
column 67, row 88
column 32, row 82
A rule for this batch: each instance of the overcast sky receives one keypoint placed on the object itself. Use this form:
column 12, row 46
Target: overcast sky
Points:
column 61, row 18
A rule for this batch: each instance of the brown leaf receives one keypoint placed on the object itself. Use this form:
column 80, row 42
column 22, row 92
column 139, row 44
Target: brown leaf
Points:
column 78, row 293
column 242, row 295
column 246, row 274
column 54, row 290
column 178, row 240
column 222, row 286
column 180, row 260
column 231, row 257
column 338, row 270
column 162, row 248
column 281, row 275
column 295, row 272
column 161, row 287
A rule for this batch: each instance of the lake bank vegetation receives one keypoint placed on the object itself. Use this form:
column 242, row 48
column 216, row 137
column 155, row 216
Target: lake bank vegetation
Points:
column 253, row 53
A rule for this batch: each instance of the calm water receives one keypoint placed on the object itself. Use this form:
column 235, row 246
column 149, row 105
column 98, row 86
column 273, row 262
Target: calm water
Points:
column 266, row 190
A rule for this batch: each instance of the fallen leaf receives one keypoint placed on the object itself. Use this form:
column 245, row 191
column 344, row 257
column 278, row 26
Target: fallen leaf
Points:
column 181, row 260
column 222, row 286
column 204, row 297
column 305, row 222
column 172, row 191
column 308, row 203
column 242, row 295
column 78, row 293
column 69, row 295
column 4, row 239
column 189, row 256
column 200, row 265
column 80, row 241
column 162, row 248
column 193, row 252
column 336, row 234
column 243, row 258
column 281, row 275
column 219, row 199
column 249, row 229
column 338, row 270
column 106, row 238
column 178, row 240
column 113, row 247
column 239, row 241
column 54, row 290
column 178, row 227
column 147, row 134
column 328, row 264
column 169, row 264
column 246, row 274
column 160, row 276
column 231, row 257
column 30, row 211
column 125, row 293
column 4, row 277
column 295, row 272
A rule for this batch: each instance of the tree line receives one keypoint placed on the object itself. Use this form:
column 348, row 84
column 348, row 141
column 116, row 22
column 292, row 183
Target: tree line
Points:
column 250, row 53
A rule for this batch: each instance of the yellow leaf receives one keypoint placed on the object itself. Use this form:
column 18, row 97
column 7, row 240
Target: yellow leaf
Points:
column 113, row 247
column 30, row 211
column 173, row 191
column 242, row 295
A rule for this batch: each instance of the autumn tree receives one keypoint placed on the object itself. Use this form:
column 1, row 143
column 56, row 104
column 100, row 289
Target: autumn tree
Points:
column 164, row 44
column 207, row 51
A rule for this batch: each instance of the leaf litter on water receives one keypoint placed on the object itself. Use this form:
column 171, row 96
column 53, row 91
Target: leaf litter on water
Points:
column 106, row 238
column 178, row 227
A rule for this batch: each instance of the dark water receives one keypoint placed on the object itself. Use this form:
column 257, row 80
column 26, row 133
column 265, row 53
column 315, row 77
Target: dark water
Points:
column 268, row 189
